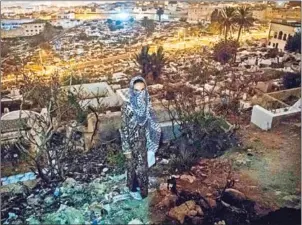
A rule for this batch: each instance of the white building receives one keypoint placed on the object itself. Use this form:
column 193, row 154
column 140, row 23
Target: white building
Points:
column 9, row 24
column 33, row 28
column 21, row 29
column 280, row 32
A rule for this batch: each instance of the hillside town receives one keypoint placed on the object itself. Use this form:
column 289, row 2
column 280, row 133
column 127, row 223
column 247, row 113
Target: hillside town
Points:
column 223, row 81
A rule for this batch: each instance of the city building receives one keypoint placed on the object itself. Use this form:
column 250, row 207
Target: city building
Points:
column 33, row 28
column 274, row 14
column 280, row 32
column 10, row 24
column 21, row 28
column 293, row 14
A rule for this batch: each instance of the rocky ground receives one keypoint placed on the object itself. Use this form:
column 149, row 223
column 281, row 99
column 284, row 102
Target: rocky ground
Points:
column 266, row 186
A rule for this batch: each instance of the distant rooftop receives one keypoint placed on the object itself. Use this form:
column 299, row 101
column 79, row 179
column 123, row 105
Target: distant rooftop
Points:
column 292, row 24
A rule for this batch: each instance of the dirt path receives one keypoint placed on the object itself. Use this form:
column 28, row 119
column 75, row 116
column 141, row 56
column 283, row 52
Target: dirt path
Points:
column 269, row 166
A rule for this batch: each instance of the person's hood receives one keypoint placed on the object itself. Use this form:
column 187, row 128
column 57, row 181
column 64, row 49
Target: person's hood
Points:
column 136, row 78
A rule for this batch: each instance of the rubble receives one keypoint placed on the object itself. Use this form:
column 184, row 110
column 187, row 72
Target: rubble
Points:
column 188, row 208
column 188, row 178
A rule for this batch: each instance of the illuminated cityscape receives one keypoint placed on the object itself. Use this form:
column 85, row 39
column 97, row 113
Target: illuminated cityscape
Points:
column 224, row 81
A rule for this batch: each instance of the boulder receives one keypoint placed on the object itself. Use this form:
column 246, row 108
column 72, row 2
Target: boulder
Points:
column 180, row 212
column 233, row 196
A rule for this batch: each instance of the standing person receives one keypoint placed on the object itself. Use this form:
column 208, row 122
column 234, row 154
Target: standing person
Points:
column 140, row 134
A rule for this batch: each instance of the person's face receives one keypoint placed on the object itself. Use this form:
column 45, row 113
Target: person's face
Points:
column 139, row 86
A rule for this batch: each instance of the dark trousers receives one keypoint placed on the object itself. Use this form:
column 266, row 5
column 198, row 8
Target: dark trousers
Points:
column 137, row 166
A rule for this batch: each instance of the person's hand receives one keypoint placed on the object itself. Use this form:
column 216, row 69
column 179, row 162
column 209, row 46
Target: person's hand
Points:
column 128, row 155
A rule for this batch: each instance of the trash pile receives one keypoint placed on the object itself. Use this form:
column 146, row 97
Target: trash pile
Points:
column 105, row 200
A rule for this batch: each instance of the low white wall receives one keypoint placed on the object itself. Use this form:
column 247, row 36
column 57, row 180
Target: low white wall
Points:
column 262, row 117
column 266, row 119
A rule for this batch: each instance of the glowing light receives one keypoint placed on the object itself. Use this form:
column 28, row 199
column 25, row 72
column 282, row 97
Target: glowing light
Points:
column 123, row 16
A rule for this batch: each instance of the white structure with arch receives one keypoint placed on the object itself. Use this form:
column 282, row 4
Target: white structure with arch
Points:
column 280, row 32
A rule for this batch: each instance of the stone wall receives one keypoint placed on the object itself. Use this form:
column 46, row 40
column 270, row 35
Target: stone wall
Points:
column 284, row 94
column 110, row 123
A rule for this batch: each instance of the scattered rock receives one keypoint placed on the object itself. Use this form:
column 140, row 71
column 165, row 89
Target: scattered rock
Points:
column 135, row 222
column 180, row 212
column 233, row 195
column 188, row 178
column 292, row 201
